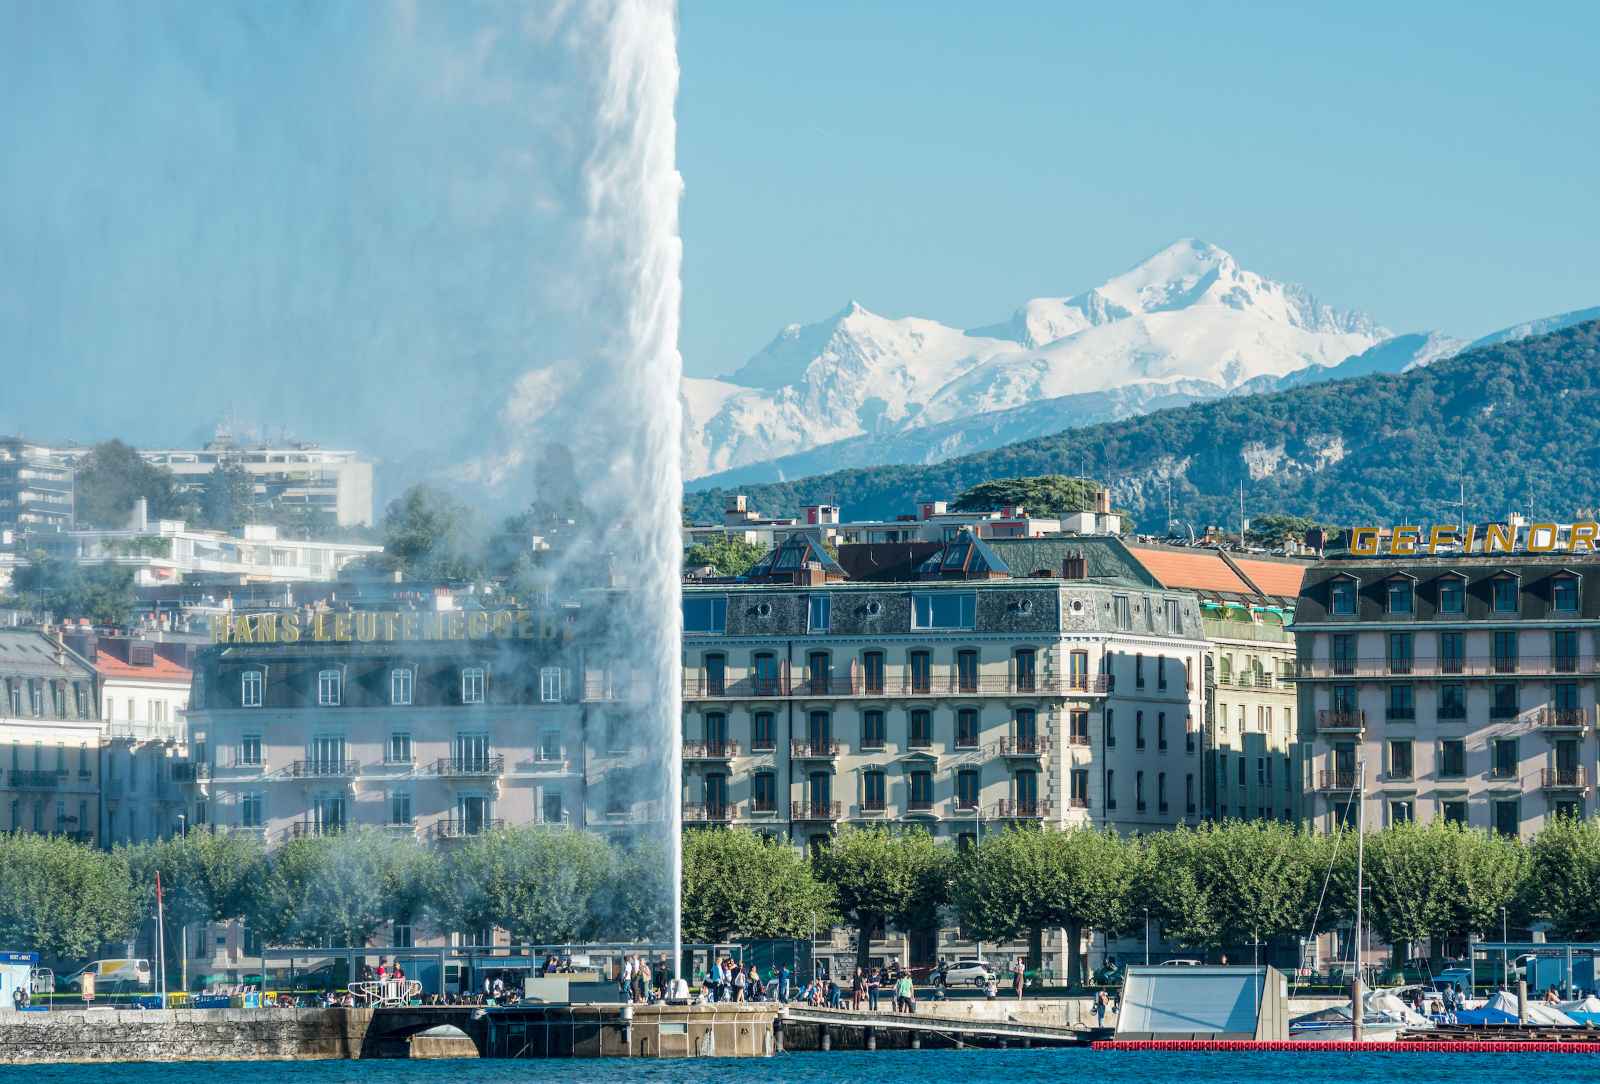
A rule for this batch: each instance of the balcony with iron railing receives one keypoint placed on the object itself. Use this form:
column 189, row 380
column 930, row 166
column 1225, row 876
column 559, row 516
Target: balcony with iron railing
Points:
column 35, row 779
column 483, row 767
column 1472, row 666
column 323, row 769
column 763, row 807
column 1572, row 778
column 401, row 829
column 1023, row 809
column 1078, row 801
column 1565, row 719
column 1024, row 747
column 312, row 829
column 190, row 772
column 697, row 687
column 1331, row 720
column 814, row 750
column 873, row 807
column 814, row 811
column 919, row 807
column 1336, row 779
column 710, row 750
column 458, row 828
column 709, row 812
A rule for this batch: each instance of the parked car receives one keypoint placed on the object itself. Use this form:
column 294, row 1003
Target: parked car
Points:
column 968, row 971
column 1180, row 963
column 112, row 973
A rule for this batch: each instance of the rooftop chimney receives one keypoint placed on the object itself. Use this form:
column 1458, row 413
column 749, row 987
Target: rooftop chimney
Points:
column 1102, row 501
column 1075, row 566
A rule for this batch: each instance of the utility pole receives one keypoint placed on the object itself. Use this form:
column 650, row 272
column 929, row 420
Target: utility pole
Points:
column 1241, row 513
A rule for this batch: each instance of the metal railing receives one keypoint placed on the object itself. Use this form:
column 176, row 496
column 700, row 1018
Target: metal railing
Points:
column 814, row 811
column 1341, row 720
column 36, row 778
column 919, row 805
column 311, row 829
column 873, row 805
column 1447, row 666
column 813, row 750
column 710, row 750
column 189, row 772
column 1563, row 779
column 1010, row 808
column 470, row 767
column 1336, row 779
column 696, row 687
column 456, row 828
column 323, row 769
column 709, row 813
column 1561, row 718
column 1024, row 747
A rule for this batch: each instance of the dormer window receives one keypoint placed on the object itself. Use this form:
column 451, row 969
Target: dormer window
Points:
column 1452, row 595
column 1505, row 594
column 1342, row 597
column 1564, row 594
column 330, row 688
column 401, row 682
column 472, row 685
column 250, row 686
column 1398, row 595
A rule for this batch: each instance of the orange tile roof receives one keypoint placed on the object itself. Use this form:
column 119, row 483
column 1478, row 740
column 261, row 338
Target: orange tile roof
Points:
column 1196, row 570
column 1274, row 577
column 164, row 669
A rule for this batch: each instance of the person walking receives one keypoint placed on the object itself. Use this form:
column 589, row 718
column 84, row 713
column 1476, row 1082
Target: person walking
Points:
column 874, row 981
column 784, row 979
column 1018, row 973
column 858, row 989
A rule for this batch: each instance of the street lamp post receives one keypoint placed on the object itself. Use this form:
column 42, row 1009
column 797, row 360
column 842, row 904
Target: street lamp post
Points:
column 1505, row 967
column 1147, row 937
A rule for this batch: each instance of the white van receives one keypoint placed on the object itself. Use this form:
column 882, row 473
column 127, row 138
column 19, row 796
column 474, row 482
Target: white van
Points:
column 128, row 972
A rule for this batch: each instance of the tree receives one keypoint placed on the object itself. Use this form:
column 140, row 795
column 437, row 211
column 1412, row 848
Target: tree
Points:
column 112, row 477
column 729, row 556
column 1276, row 528
column 228, row 498
column 427, row 535
column 1562, row 881
column 543, row 885
column 1027, row 880
column 65, row 589
column 738, row 883
column 881, row 877
column 61, row 898
column 205, row 877
column 1042, row 495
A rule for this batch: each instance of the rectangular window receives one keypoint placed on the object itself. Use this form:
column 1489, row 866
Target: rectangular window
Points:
column 1452, row 652
column 1402, row 811
column 872, row 672
column 764, row 792
column 401, row 683
column 250, row 751
column 1505, row 758
column 1400, row 766
column 549, row 685
column 1138, row 670
column 763, row 735
column 1122, row 612
column 1174, row 616
column 1111, row 789
column 472, row 684
column 766, row 675
column 1161, row 730
column 1452, row 595
column 921, row 729
column 1079, row 727
column 1080, row 788
column 1564, row 595
column 1508, row 816
column 1564, row 646
column 872, row 729
column 1111, row 729
column 819, row 672
column 920, row 665
column 1161, row 792
column 250, row 685
column 329, row 688
column 921, row 790
column 819, row 608
column 1026, row 661
column 1138, row 730
column 1564, row 699
column 874, row 788
column 1402, row 706
column 250, row 810
column 1504, row 705
column 1138, row 791
column 944, row 610
column 1399, row 595
column 400, row 808
column 967, row 789
column 1078, row 669
column 1161, row 671
column 1342, row 597
column 1452, row 758
column 703, row 615
column 1452, row 701
column 398, row 751
column 1505, row 595
column 1505, row 651
column 1399, row 653
column 1454, row 811
column 967, row 728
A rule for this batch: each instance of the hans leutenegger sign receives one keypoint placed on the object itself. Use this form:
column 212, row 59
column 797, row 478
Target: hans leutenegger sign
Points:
column 292, row 626
column 1492, row 538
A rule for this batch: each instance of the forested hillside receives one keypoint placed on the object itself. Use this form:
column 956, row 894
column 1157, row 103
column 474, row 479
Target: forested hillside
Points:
column 1518, row 421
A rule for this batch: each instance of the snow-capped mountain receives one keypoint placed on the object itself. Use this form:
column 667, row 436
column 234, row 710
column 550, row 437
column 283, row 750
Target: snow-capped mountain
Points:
column 1187, row 323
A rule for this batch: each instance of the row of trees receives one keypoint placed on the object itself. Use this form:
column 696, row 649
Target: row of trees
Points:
column 1218, row 885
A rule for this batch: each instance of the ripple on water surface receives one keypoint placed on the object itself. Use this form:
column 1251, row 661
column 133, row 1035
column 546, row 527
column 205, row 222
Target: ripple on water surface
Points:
column 940, row 1066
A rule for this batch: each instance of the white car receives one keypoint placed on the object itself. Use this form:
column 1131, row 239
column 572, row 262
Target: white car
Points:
column 1180, row 963
column 967, row 972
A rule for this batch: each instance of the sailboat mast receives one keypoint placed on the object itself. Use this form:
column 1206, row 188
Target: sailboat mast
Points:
column 1357, row 1009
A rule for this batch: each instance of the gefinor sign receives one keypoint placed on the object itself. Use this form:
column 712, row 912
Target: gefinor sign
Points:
column 1415, row 539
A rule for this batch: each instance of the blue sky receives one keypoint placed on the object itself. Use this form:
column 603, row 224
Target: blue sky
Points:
column 1433, row 164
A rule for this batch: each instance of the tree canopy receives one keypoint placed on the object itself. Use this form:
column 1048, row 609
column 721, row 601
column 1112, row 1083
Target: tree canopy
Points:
column 737, row 883
column 112, row 477
column 1041, row 495
column 65, row 589
column 881, row 877
column 729, row 556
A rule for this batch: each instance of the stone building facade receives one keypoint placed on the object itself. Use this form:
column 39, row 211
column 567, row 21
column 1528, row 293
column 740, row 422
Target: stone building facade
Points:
column 49, row 738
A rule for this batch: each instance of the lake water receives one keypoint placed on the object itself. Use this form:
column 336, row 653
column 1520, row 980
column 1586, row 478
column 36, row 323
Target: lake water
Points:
column 967, row 1066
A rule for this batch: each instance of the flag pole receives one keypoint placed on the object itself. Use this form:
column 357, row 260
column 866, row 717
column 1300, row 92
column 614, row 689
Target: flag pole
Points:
column 161, row 939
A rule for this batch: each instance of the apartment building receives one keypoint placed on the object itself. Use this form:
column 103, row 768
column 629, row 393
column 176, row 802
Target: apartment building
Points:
column 438, row 725
column 168, row 551
column 36, row 487
column 1459, row 686
column 49, row 737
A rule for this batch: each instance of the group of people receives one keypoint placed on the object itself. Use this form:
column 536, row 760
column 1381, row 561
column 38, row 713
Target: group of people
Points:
column 641, row 982
column 729, row 981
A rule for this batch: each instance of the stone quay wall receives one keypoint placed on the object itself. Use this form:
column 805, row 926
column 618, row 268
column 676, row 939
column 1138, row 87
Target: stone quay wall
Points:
column 99, row 1035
